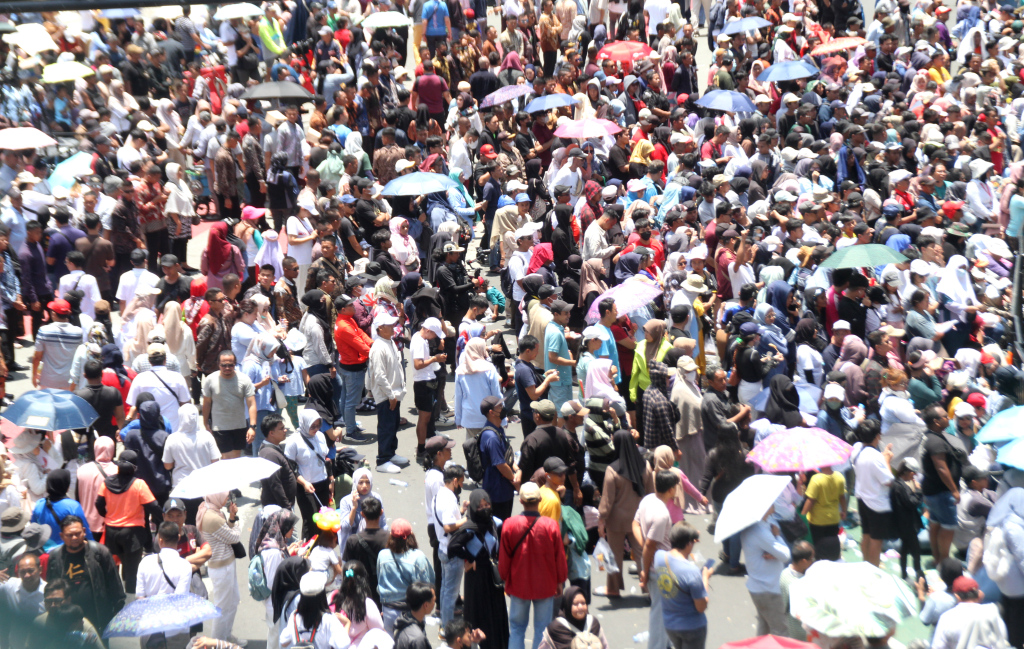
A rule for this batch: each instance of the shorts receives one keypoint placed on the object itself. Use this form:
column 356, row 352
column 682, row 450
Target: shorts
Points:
column 559, row 394
column 877, row 525
column 942, row 510
column 230, row 440
column 424, row 394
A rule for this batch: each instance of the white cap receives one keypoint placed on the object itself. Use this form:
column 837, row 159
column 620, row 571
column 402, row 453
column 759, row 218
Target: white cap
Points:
column 835, row 391
column 522, row 233
column 609, row 192
column 921, row 267
column 788, row 97
column 434, row 325
column 964, row 409
column 841, row 324
column 309, row 205
column 785, row 196
column 516, row 186
column 313, row 583
column 594, row 331
column 383, row 319
column 762, row 99
column 403, row 164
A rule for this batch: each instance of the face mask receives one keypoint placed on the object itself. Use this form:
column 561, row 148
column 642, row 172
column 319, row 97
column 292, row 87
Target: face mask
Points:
column 483, row 514
column 833, row 405
column 691, row 377
column 645, row 235
column 458, row 491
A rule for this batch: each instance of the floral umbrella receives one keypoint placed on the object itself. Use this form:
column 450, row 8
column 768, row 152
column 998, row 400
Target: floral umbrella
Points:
column 798, row 449
column 160, row 614
column 839, row 45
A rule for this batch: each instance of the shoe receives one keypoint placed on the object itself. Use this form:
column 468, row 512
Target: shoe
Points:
column 633, row 570
column 488, row 320
column 443, row 421
column 400, row 461
column 238, row 641
column 388, row 467
column 355, row 436
column 16, row 367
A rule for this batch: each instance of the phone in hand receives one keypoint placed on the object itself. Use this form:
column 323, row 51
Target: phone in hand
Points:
column 710, row 563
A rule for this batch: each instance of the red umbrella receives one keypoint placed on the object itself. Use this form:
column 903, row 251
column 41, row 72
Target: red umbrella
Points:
column 839, row 45
column 768, row 642
column 624, row 51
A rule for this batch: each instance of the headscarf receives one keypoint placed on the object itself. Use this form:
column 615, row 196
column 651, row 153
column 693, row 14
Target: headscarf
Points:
column 627, row 266
column 270, row 253
column 169, row 117
column 665, row 460
column 125, row 476
column 218, row 248
column 354, row 144
column 359, row 475
column 103, row 449
column 642, row 152
column 321, row 399
column 806, row 330
column 455, row 173
column 783, row 405
column 274, row 528
column 474, row 358
column 853, row 351
column 385, row 288
column 278, row 165
column 286, row 583
column 150, row 419
column 179, row 338
column 179, row 197
column 511, row 62
column 599, row 384
column 778, row 295
column 591, row 280
column 314, row 306
column 956, row 285
column 426, row 165
column 656, row 329
column 629, row 464
column 140, row 342
column 402, row 243
column 531, row 285
column 477, row 522
column 111, row 358
column 543, row 254
column 212, row 502
column 410, row 284
column 761, row 318
column 58, row 482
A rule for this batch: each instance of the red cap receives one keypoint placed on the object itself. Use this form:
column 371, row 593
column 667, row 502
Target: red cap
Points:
column 401, row 528
column 986, row 358
column 681, row 98
column 950, row 207
column 63, row 307
column 943, row 10
column 964, row 585
column 487, row 151
column 470, row 14
column 977, row 400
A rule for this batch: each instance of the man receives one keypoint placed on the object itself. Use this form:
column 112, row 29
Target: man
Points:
column 767, row 555
column 426, row 367
column 165, row 573
column 531, row 562
column 138, row 277
column 651, row 525
column 286, row 296
column 942, row 464
column 550, row 499
column 213, row 335
column 168, row 388
column 429, row 88
column 385, row 157
column 528, row 390
column 497, row 459
column 353, row 346
column 279, row 489
column 36, row 289
column 659, row 413
column 12, row 545
column 970, row 618
column 225, row 175
column 557, row 356
column 596, row 241
column 840, row 329
column 449, row 517
column 55, row 347
column 88, row 567
column 548, row 440
column 329, row 263
column 99, row 255
column 518, row 264
column 174, row 287
column 229, row 402
column 105, row 400
column 714, row 409
column 570, row 175
column 682, row 588
column 803, row 557
column 62, row 241
column 366, row 544
column 126, row 231
column 410, row 628
column 21, row 601
column 873, row 471
column 386, row 382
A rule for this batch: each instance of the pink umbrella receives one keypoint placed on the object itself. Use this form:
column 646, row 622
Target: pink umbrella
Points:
column 799, row 449
column 628, row 297
column 587, row 128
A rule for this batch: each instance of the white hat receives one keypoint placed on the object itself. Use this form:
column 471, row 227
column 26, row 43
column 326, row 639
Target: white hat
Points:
column 593, row 331
column 932, row 231
column 295, row 340
column 516, row 186
column 145, row 125
column 993, row 292
column 313, row 583
column 26, row 442
column 611, row 191
column 309, row 205
column 434, row 325
column 835, row 391
column 384, row 319
column 979, row 167
column 964, row 409
column 920, row 267
column 841, row 324
column 643, row 114
column 788, row 97
column 789, row 154
column 762, row 99
column 522, row 233
column 403, row 164
column 922, row 46
column 899, row 176
column 399, row 72
column 999, row 248
column 784, row 196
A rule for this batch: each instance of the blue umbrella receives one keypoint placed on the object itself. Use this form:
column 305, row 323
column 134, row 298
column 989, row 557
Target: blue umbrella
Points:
column 507, row 93
column 727, row 100
column 418, row 183
column 160, row 614
column 66, row 173
column 1012, row 454
column 120, row 14
column 547, row 102
column 1004, row 426
column 788, row 71
column 50, row 409
column 748, row 24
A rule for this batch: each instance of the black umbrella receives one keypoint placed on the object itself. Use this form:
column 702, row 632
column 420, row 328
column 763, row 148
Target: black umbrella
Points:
column 283, row 90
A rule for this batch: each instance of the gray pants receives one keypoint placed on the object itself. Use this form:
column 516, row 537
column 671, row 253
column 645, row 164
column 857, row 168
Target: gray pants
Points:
column 771, row 613
column 694, row 639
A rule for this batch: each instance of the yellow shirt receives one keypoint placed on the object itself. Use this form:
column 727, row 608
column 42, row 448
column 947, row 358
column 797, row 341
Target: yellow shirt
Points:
column 550, row 504
column 825, row 490
column 939, row 76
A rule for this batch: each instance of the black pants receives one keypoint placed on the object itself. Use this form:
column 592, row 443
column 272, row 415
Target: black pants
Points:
column 308, row 506
column 179, row 248
column 158, row 243
column 517, row 317
column 432, row 42
column 256, row 197
column 550, row 58
column 234, row 212
column 122, row 264
column 826, row 542
column 126, row 543
column 279, row 217
column 1013, row 616
column 909, row 545
column 436, row 556
column 37, row 316
column 503, row 510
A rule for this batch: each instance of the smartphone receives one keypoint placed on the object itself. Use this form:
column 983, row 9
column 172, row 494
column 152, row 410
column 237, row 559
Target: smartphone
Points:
column 710, row 563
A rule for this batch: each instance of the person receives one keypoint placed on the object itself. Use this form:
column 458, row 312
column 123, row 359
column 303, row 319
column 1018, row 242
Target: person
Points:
column 162, row 573
column 574, row 620
column 188, row 448
column 626, row 481
column 167, row 387
column 66, row 617
column 355, row 600
column 557, row 356
column 90, row 476
column 55, row 346
column 280, row 488
column 683, row 589
column 546, row 441
column 497, row 458
column 399, row 565
column 651, row 525
column 871, row 467
column 528, row 389
column 221, row 532
column 50, row 511
column 127, row 505
column 313, row 623
column 148, row 441
column 905, row 496
column 229, row 406
column 969, row 618
column 532, row 563
column 942, row 463
column 21, row 600
column 410, row 627
column 825, row 507
column 449, row 517
column 307, row 448
column 386, row 382
column 424, row 386
column 767, row 555
column 272, row 545
column 364, row 546
column 93, row 583
column 353, row 345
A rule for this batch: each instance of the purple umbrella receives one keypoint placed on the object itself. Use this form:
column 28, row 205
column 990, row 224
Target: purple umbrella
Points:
column 507, row 93
column 628, row 297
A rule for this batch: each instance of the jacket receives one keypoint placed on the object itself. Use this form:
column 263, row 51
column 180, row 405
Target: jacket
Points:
column 393, row 580
column 409, row 633
column 35, row 283
column 279, row 489
column 106, row 583
column 470, row 390
column 353, row 344
column 213, row 337
column 537, row 568
column 544, row 442
column 385, row 377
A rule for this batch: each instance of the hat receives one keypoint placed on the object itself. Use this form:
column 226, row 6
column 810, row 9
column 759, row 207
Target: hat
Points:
column 560, row 306
column 971, row 473
column 523, row 197
column 920, row 267
column 555, row 464
column 399, row 72
column 720, row 179
column 547, row 290
column 63, row 307
column 325, row 31
column 25, row 177
column 313, row 583
column 438, row 443
column 295, row 341
column 451, row 247
column 610, row 192
column 594, row 332
column 842, row 325
column 762, row 99
column 964, row 409
column 487, row 151
column 529, row 492
column 433, row 325
column 344, row 300
column 309, row 204
column 694, row 283
column 13, row 520
column 36, row 535
column 515, row 186
column 964, row 585
column 348, row 199
column 400, row 528
column 489, row 404
column 729, row 234
column 384, row 319
column 403, row 164
column 156, row 348
column 749, row 328
column 145, row 125
column 788, row 97
column 909, row 464
column 785, row 196
column 636, row 185
column 977, row 400
column 522, row 233
column 835, row 391
column 958, row 230
column 545, row 408
column 577, row 153
column 784, row 29
column 892, row 331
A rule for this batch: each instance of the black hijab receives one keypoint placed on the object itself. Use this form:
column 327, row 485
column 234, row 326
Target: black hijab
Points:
column 57, row 484
column 481, row 517
column 806, row 329
column 286, row 583
column 315, row 307
column 410, row 284
column 150, row 419
column 562, row 243
column 562, row 635
column 532, row 284
column 112, row 358
column 125, row 476
column 630, row 464
column 321, row 398
column 783, row 405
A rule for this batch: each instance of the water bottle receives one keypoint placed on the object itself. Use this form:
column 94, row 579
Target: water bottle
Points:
column 641, row 637
column 399, row 483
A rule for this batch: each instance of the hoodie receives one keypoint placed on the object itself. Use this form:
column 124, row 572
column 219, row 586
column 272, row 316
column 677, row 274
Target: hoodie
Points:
column 409, row 633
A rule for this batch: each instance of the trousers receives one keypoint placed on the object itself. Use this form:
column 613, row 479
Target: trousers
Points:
column 226, row 597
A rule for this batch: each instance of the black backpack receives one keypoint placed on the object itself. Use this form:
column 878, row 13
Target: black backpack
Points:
column 474, row 459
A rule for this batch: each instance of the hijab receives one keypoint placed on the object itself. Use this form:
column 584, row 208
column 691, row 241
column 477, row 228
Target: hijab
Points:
column 627, row 267
column 591, row 280
column 275, row 527
column 218, row 248
column 270, row 253
column 179, row 197
column 512, row 62
column 542, row 255
column 125, row 476
column 480, row 517
column 955, row 282
column 656, row 329
column 455, row 174
column 321, row 398
column 278, row 166
column 179, row 337
column 315, row 307
column 286, row 583
column 599, row 384
column 629, row 464
column 761, row 318
column 359, row 475
column 150, row 419
column 58, row 482
column 854, row 351
column 474, row 358
column 642, row 152
column 112, row 359
column 806, row 331
column 410, row 284
column 531, row 285
column 665, row 460
column 783, row 405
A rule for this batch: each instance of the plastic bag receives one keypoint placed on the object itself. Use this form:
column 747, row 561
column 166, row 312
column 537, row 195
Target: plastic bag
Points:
column 605, row 557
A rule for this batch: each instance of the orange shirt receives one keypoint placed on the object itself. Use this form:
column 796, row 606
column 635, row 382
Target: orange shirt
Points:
column 125, row 509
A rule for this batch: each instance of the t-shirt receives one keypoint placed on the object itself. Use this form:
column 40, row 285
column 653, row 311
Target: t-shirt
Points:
column 301, row 252
column 679, row 583
column 554, row 341
column 434, row 13
column 826, row 491
column 608, row 350
column 737, row 278
column 431, row 89
column 808, row 358
column 936, row 444
column 420, row 349
column 105, row 400
column 132, row 281
column 446, row 512
column 241, row 335
column 657, row 10
column 229, row 397
column 550, row 505
column 58, row 341
column 346, row 230
column 188, row 452
column 125, row 509
column 526, row 375
column 492, row 453
column 655, row 521
column 873, row 478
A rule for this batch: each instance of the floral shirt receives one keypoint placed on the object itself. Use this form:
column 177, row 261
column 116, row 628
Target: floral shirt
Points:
column 151, row 209
column 252, row 154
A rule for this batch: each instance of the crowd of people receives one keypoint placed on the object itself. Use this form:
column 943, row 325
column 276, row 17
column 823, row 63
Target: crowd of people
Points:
column 644, row 307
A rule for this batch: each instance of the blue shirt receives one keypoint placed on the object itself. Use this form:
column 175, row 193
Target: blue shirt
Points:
column 554, row 341
column 434, row 12
column 608, row 350
column 679, row 583
column 265, row 395
column 470, row 391
column 492, row 453
column 1013, row 228
column 61, row 243
column 15, row 220
column 41, row 514
column 763, row 574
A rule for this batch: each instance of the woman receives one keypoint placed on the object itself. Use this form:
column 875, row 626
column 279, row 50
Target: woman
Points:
column 601, row 381
column 308, row 449
column 956, row 296
column 317, row 325
column 475, row 379
column 121, row 106
column 653, row 347
column 90, row 477
column 312, row 624
column 511, row 69
column 726, row 468
column 403, row 247
column 773, row 339
column 125, row 502
column 895, row 405
column 386, row 301
column 53, row 509
column 398, row 566
column 665, row 460
column 852, row 354
column 273, row 545
column 220, row 257
column 573, row 619
column 626, row 481
column 783, row 406
column 195, row 307
column 282, row 189
column 484, row 594
column 808, row 359
column 221, row 533
column 592, row 284
column 982, row 203
column 260, row 366
column 563, row 243
column 180, row 342
column 284, row 588
column 355, row 601
column 640, row 159
column 350, row 508
column 920, row 323
column 179, row 209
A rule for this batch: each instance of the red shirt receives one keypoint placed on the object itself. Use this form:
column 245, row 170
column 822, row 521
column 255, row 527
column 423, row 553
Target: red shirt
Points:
column 352, row 342
column 710, row 151
column 723, row 258
column 538, row 568
column 652, row 243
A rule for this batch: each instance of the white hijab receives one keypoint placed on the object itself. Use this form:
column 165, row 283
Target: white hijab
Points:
column 179, row 196
column 169, row 117
column 270, row 253
column 956, row 285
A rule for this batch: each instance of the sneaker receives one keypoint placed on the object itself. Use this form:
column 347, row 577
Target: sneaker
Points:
column 400, row 461
column 355, row 436
column 487, row 320
column 238, row 641
column 443, row 421
column 388, row 467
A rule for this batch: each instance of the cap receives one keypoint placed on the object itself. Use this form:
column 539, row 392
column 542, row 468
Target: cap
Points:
column 964, row 586
column 892, row 331
column 404, row 164
column 348, row 199
column 730, row 234
column 522, row 233
column 636, row 185
column 784, row 196
column 577, row 153
column 451, row 247
column 555, row 465
column 313, row 583
column 343, row 301
column 594, row 332
column 835, row 391
column 433, row 325
column 63, row 307
column 971, row 473
column 487, row 151
column 174, row 503
column 545, row 408
column 13, row 520
column 749, row 328
column 156, row 348
column 489, row 404
column 842, row 325
column 35, row 536
column 977, row 400
column 529, row 492
column 168, row 260
column 438, row 443
column 909, row 464
column 920, row 267
column 400, row 528
column 384, row 319
column 573, row 407
column 547, row 290
column 325, row 31
column 610, row 192
column 523, row 197
column 560, row 306
column 964, row 409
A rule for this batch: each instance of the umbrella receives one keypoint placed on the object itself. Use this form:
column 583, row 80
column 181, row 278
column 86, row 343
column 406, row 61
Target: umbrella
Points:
column 788, row 71
column 863, row 256
column 748, row 503
column 50, row 409
column 850, row 599
column 809, row 398
column 65, row 71
column 587, row 128
column 160, row 614
column 32, row 38
column 25, row 137
column 727, row 100
column 121, row 14
column 628, row 298
column 797, row 449
column 547, row 102
column 6, row 27
column 624, row 51
column 768, row 642
column 66, row 174
column 385, row 19
column 224, row 476
column 286, row 90
column 1012, row 455
column 506, row 93
column 839, row 45
column 1004, row 426
column 418, row 183
column 749, row 24
column 240, row 10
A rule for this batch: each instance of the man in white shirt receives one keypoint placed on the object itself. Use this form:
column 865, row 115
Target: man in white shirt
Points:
column 22, row 600
column 168, row 388
column 132, row 150
column 135, row 279
column 571, row 176
column 76, row 279
column 969, row 619
column 459, row 157
column 517, row 267
column 596, row 242
column 448, row 518
column 165, row 573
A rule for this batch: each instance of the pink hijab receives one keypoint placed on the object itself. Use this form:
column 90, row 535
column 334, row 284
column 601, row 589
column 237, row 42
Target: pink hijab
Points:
column 212, row 502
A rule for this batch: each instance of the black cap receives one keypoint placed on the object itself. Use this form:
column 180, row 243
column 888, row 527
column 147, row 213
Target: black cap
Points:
column 489, row 404
column 139, row 255
column 560, row 306
column 547, row 290
column 168, row 260
column 555, row 465
column 174, row 503
column 971, row 473
column 562, row 190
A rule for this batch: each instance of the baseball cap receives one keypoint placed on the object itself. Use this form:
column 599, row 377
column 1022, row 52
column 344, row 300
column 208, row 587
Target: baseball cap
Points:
column 522, row 197
column 555, row 465
column 487, row 151
column 577, row 153
column 545, row 408
column 730, row 234
column 560, row 306
column 964, row 585
column 325, row 31
column 313, row 583
column 168, row 260
column 343, row 301
column 250, row 213
column 60, row 306
column 348, row 199
column 547, row 290
column 842, row 325
column 749, row 328
column 835, row 391
column 594, row 332
column 964, row 409
column 400, row 528
column 174, row 503
column 404, row 164
column 384, row 319
column 529, row 492
column 515, row 186
column 573, row 407
column 439, row 443
column 971, row 473
column 451, row 247
column 489, row 404
column 977, row 400
column 433, row 325
column 920, row 267
column 156, row 348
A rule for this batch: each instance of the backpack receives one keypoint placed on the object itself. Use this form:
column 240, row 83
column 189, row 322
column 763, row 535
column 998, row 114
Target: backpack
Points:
column 474, row 460
column 506, row 282
column 259, row 590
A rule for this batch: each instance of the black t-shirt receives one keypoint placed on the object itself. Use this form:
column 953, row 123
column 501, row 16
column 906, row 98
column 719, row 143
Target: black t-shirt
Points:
column 617, row 158
column 178, row 291
column 82, row 591
column 365, row 215
column 104, row 400
column 935, row 444
column 364, row 547
column 526, row 375
column 345, row 230
column 137, row 76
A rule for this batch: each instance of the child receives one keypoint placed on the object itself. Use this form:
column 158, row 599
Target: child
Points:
column 906, row 498
column 459, row 635
column 494, row 296
column 323, row 557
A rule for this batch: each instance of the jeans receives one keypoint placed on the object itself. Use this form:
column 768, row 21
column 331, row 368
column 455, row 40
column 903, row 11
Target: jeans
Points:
column 387, row 434
column 450, row 581
column 351, row 393
column 694, row 639
column 519, row 617
column 658, row 638
column 390, row 616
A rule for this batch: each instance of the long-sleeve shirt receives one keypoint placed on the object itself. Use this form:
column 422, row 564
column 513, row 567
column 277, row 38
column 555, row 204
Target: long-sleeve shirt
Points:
column 763, row 574
column 353, row 343
column 981, row 200
column 221, row 535
column 385, row 377
column 212, row 338
column 394, row 579
column 315, row 352
column 225, row 174
column 34, row 281
column 470, row 390
column 597, row 246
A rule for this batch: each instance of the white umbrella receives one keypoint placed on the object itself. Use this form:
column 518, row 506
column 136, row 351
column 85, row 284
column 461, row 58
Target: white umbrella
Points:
column 224, row 476
column 32, row 38
column 385, row 19
column 747, row 504
column 25, row 137
column 240, row 10
column 65, row 71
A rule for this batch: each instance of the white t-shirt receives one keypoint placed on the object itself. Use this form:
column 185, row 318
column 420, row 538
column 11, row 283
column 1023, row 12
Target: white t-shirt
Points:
column 745, row 275
column 188, row 452
column 168, row 389
column 420, row 349
column 873, row 478
column 228, row 35
column 132, row 281
column 657, row 10
column 517, row 266
column 301, row 252
column 298, row 451
column 433, row 482
column 808, row 358
column 446, row 512
column 330, row 634
column 85, row 283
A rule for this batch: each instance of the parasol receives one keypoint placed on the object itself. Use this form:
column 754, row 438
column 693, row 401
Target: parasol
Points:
column 839, row 45
column 748, row 24
column 867, row 255
column 547, row 102
column 160, row 614
column 418, row 183
column 284, row 90
column 50, row 409
column 506, row 93
column 624, row 51
column 628, row 297
column 587, row 128
column 788, row 71
column 239, row 10
column 386, row 19
column 25, row 137
column 748, row 503
column 1004, row 426
column 797, row 449
column 729, row 101
column 224, row 476
column 65, row 71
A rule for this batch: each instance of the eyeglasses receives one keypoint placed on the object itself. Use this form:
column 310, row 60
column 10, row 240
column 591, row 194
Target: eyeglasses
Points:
column 224, row 366
column 216, row 299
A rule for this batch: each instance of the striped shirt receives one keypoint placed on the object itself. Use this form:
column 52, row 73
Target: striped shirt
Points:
column 58, row 342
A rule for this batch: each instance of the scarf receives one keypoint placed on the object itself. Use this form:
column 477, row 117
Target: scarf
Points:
column 591, row 280
column 512, row 62
column 642, row 152
column 286, row 583
column 315, row 307
column 112, row 359
column 321, row 398
column 955, row 282
column 179, row 197
column 270, row 253
column 474, row 358
column 599, row 384
column 278, row 166
column 627, row 267
column 629, row 464
column 665, row 460
column 274, row 529
column 179, row 339
column 426, row 165
column 218, row 248
column 455, row 174
column 121, row 481
column 656, row 330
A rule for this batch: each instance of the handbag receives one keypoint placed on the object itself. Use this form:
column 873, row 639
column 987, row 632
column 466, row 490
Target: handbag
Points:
column 239, row 550
column 279, row 397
